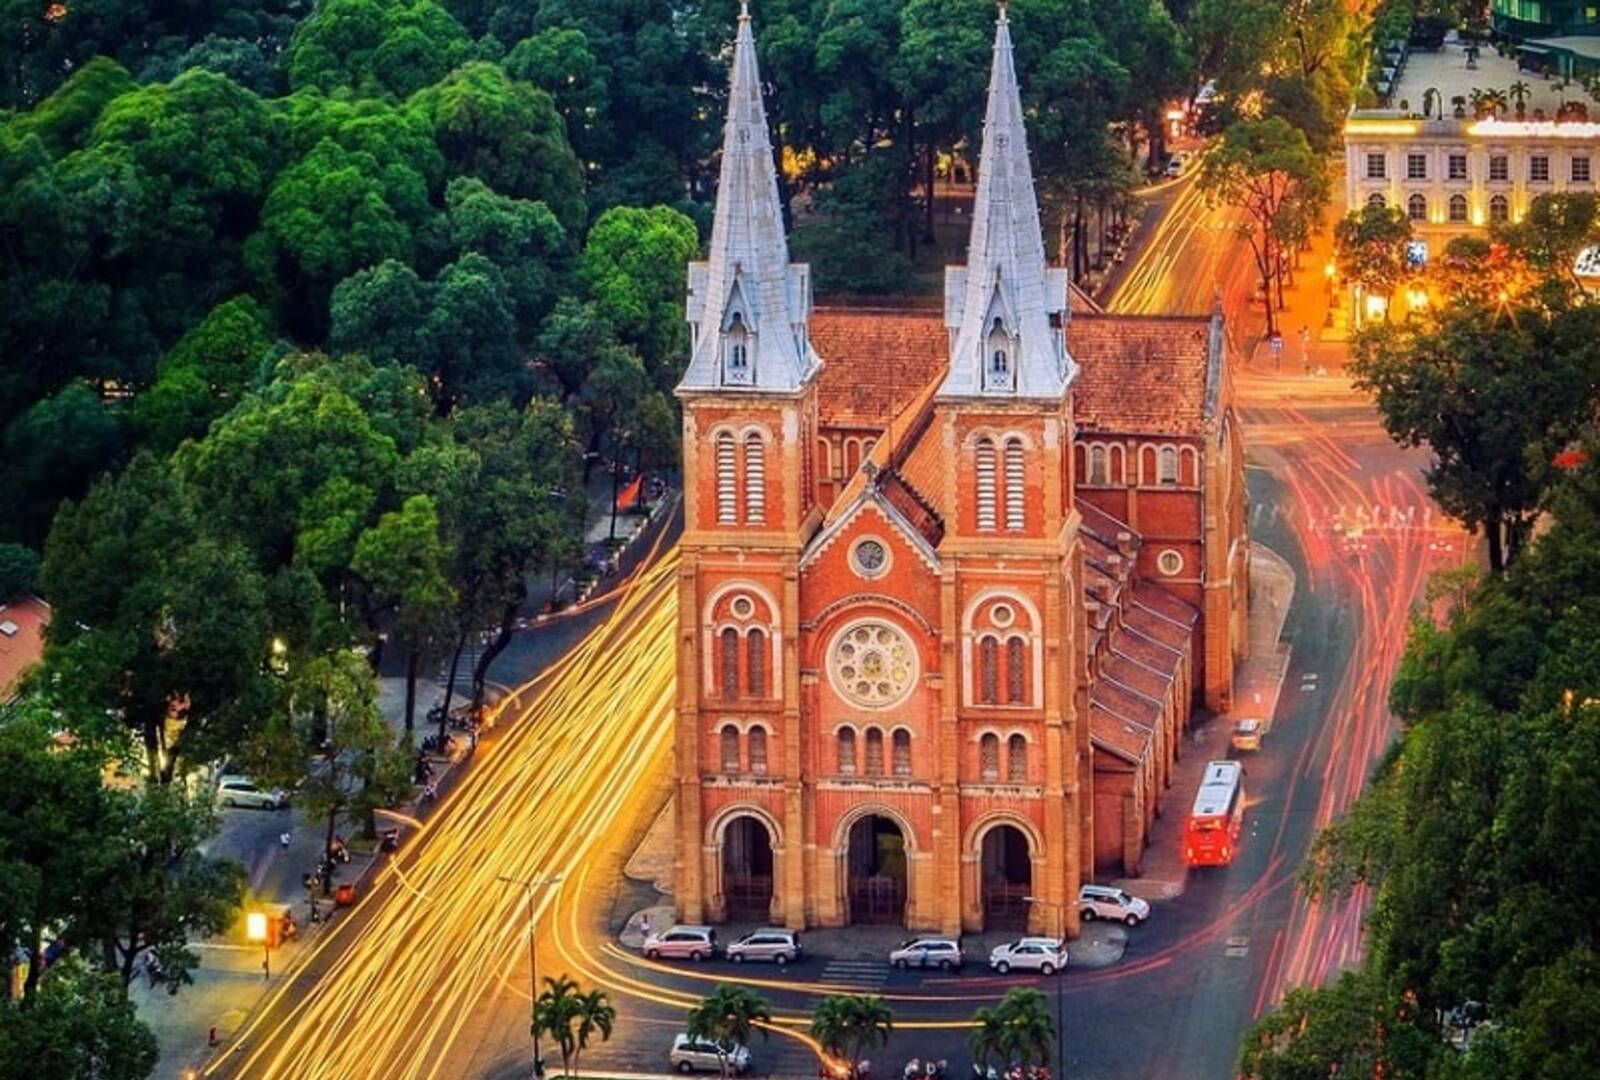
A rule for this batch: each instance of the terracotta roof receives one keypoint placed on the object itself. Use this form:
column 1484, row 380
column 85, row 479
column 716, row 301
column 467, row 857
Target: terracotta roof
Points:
column 1137, row 675
column 875, row 360
column 1143, row 373
column 1117, row 736
column 1080, row 302
column 1147, row 624
column 22, row 648
column 1125, row 703
column 1170, row 607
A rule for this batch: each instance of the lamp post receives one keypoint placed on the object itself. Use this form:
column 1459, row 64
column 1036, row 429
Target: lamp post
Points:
column 528, row 885
column 255, row 928
column 1060, row 909
column 1328, row 271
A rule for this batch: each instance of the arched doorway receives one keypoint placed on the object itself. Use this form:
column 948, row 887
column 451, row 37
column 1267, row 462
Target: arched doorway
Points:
column 747, row 868
column 876, row 871
column 1006, row 878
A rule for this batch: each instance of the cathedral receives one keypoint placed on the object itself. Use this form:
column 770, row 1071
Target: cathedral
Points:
column 951, row 581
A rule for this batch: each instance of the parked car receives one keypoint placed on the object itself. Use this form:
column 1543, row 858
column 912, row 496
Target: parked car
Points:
column 1044, row 955
column 243, row 791
column 942, row 953
column 690, row 1054
column 1106, row 902
column 1177, row 163
column 682, row 942
column 779, row 946
column 1247, row 735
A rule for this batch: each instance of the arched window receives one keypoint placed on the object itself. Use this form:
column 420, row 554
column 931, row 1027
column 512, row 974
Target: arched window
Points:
column 1417, row 207
column 1377, row 199
column 1458, row 207
column 1015, row 494
column 730, row 749
column 727, row 481
column 1097, row 465
column 1016, row 672
column 758, row 749
column 755, row 646
column 989, row 757
column 999, row 347
column 755, row 479
column 738, row 349
column 730, row 664
column 983, row 466
column 847, row 751
column 1499, row 210
column 874, row 752
column 1168, row 470
column 1017, row 759
column 988, row 671
column 902, row 752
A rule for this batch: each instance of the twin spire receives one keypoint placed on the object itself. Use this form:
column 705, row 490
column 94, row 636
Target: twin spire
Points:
column 749, row 306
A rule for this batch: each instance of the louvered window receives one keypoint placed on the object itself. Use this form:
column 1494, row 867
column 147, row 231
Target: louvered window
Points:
column 1014, row 489
column 902, row 753
column 727, row 482
column 984, row 466
column 988, row 671
column 730, row 663
column 758, row 749
column 1016, row 672
column 847, row 751
column 730, row 749
column 756, row 663
column 1169, row 466
column 1097, row 465
column 989, row 757
column 755, row 480
column 874, row 752
column 1017, row 759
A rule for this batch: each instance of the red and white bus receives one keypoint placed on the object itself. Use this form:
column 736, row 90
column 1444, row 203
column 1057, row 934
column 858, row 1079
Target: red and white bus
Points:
column 1212, row 835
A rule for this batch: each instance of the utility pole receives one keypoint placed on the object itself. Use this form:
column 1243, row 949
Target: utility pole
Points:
column 528, row 885
column 1061, row 977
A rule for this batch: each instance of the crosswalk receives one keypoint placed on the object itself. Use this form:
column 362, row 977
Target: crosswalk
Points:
column 870, row 974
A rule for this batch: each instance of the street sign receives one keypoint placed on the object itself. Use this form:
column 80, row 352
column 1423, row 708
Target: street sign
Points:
column 1276, row 342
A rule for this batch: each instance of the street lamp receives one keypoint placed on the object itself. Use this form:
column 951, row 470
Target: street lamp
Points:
column 1061, row 977
column 1328, row 270
column 528, row 885
column 255, row 928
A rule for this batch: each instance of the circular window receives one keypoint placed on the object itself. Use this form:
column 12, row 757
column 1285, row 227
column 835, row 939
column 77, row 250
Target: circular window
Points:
column 870, row 558
column 872, row 664
column 742, row 607
column 1002, row 615
column 1169, row 562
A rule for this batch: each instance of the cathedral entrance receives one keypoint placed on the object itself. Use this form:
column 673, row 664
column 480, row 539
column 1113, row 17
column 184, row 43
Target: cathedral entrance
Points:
column 1006, row 877
column 876, row 890
column 747, row 869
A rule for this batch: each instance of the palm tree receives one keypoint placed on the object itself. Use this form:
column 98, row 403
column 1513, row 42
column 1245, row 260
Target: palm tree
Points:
column 1494, row 101
column 848, row 1025
column 571, row 1018
column 1519, row 93
column 1430, row 101
column 989, row 1040
column 1475, row 96
column 1018, row 1031
column 727, row 1019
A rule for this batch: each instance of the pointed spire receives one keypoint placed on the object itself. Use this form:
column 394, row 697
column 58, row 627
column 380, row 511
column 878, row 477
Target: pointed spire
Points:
column 747, row 304
column 1006, row 310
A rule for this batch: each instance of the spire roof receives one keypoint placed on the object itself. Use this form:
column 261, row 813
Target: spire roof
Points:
column 746, row 282
column 1006, row 278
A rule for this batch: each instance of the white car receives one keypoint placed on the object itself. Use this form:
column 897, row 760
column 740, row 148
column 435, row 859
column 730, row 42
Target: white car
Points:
column 682, row 942
column 942, row 953
column 1044, row 955
column 1106, row 902
column 243, row 791
column 779, row 946
column 690, row 1054
column 1176, row 164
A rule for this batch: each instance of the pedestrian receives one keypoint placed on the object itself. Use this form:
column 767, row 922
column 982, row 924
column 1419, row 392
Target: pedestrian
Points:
column 644, row 924
column 283, row 840
column 472, row 739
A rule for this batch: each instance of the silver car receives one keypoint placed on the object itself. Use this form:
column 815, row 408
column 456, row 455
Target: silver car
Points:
column 690, row 1054
column 243, row 791
column 682, row 942
column 942, row 953
column 779, row 946
column 1106, row 902
column 1044, row 955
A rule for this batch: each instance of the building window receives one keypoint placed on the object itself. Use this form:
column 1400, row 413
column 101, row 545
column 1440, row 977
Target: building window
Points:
column 1416, row 166
column 756, row 663
column 730, row 664
column 1499, row 167
column 1377, row 199
column 755, row 479
column 727, row 482
column 1097, row 465
column 870, row 558
column 1169, row 562
column 1580, row 170
column 874, row 752
column 1539, row 168
column 989, row 757
column 1458, row 166
column 1458, row 207
column 1417, row 208
column 1015, row 492
column 1499, row 210
column 984, row 467
column 758, row 749
column 988, row 671
column 1017, row 759
column 1168, row 470
column 847, row 751
column 738, row 345
column 1016, row 672
column 902, row 752
column 998, row 375
column 730, row 749
column 1375, row 167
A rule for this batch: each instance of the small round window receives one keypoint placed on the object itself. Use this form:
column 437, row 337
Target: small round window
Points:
column 870, row 558
column 1002, row 615
column 1169, row 562
column 742, row 607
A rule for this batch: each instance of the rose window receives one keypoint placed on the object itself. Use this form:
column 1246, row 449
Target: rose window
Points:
column 873, row 664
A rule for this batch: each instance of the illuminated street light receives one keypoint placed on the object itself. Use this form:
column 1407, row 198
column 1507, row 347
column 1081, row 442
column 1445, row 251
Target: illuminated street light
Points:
column 255, row 928
column 1061, row 977
column 528, row 885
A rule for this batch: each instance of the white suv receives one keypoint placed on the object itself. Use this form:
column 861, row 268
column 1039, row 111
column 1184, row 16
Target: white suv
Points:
column 242, row 791
column 693, row 942
column 779, row 946
column 1044, row 955
column 1105, row 902
column 943, row 953
column 690, row 1054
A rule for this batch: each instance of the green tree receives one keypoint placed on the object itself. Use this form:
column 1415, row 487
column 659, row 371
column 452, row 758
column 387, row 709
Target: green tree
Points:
column 64, row 120
column 54, row 451
column 78, row 1024
column 848, row 1026
column 19, row 571
column 375, row 48
column 523, row 240
column 633, row 267
column 201, row 376
column 1018, row 1031
column 1350, row 1028
column 1370, row 246
column 728, row 1017
column 571, row 1017
column 560, row 61
column 1549, row 236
